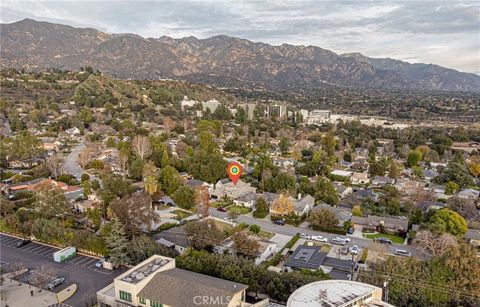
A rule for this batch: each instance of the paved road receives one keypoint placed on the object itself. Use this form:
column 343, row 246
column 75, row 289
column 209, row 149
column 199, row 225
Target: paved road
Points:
column 80, row 270
column 292, row 230
column 71, row 166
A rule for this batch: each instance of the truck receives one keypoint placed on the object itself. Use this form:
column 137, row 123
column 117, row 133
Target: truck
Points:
column 65, row 254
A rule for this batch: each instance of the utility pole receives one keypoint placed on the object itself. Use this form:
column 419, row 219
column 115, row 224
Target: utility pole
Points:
column 385, row 291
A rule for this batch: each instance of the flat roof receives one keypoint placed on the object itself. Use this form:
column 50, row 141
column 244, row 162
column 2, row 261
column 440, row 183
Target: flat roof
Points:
column 144, row 269
column 329, row 293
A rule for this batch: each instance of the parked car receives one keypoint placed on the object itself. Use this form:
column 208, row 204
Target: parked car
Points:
column 402, row 252
column 222, row 209
column 55, row 283
column 350, row 230
column 383, row 240
column 344, row 250
column 347, row 240
column 354, row 250
column 279, row 222
column 305, row 236
column 99, row 263
column 23, row 243
column 338, row 241
column 319, row 239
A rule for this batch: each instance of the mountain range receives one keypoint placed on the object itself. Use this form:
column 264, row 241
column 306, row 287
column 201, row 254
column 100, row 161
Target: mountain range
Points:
column 219, row 60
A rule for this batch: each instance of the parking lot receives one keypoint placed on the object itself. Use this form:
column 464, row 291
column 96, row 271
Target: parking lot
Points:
column 79, row 270
column 47, row 252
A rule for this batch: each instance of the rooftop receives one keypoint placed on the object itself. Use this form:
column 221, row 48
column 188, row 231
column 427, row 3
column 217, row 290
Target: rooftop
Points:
column 306, row 257
column 148, row 267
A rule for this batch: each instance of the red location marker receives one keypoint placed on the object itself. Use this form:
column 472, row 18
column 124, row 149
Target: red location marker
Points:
column 234, row 171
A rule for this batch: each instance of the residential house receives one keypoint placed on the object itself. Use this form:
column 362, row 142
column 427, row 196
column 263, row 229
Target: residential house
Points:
column 381, row 181
column 25, row 163
column 342, row 190
column 366, row 193
column 359, row 178
column 247, row 200
column 176, row 236
column 71, row 192
column 266, row 249
column 226, row 188
column 303, row 205
column 83, row 206
column 390, row 224
column 469, row 194
column 341, row 173
column 429, row 174
column 342, row 214
column 473, row 237
column 157, row 282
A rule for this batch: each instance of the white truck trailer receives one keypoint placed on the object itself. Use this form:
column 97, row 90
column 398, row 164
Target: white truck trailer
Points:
column 65, row 254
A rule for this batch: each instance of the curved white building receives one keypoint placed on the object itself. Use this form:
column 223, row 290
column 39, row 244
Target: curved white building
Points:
column 336, row 293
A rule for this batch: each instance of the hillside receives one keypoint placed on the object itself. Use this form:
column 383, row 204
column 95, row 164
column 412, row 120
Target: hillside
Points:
column 220, row 60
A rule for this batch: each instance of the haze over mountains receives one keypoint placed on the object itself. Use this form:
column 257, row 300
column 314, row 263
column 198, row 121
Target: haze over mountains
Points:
column 220, row 60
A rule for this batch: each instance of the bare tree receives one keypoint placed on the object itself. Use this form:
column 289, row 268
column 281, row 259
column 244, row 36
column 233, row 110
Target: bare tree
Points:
column 123, row 161
column 85, row 156
column 40, row 278
column 141, row 144
column 55, row 164
column 17, row 268
column 433, row 244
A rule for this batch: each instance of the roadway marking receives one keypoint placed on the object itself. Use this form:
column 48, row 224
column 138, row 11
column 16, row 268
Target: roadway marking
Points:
column 35, row 249
column 47, row 253
column 9, row 241
column 89, row 263
column 3, row 263
column 80, row 260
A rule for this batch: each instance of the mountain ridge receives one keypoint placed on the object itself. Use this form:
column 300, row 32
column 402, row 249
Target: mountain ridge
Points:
column 224, row 59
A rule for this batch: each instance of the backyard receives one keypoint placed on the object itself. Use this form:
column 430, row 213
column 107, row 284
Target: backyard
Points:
column 238, row 209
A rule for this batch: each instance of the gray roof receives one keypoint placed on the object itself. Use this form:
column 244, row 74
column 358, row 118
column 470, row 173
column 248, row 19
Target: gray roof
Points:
column 248, row 197
column 177, row 287
column 302, row 203
column 306, row 257
column 195, row 183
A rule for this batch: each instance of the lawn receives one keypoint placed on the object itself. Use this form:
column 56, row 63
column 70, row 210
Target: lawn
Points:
column 238, row 209
column 181, row 214
column 395, row 239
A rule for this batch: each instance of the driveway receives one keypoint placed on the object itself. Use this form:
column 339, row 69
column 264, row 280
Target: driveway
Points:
column 79, row 270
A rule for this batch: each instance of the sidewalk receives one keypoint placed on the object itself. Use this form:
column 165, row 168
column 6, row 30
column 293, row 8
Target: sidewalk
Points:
column 18, row 295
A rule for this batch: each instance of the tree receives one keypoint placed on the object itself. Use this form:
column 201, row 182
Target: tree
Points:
column 378, row 168
column 204, row 234
column 245, row 246
column 474, row 165
column 241, row 116
column 55, row 164
column 357, row 210
column 142, row 147
column 149, row 169
column 151, row 185
column 117, row 243
column 134, row 211
column 282, row 205
column 261, row 208
column 184, row 197
column 451, row 188
column 284, row 145
column 170, row 179
column 394, row 170
column 143, row 247
column 446, row 220
column 413, row 157
column 50, row 200
column 434, row 244
column 325, row 191
column 322, row 218
column 255, row 228
column 43, row 276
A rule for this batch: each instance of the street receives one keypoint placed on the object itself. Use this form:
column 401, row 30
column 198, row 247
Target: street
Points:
column 291, row 230
column 70, row 166
column 80, row 270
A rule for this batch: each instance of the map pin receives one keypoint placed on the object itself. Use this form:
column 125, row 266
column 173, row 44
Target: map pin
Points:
column 234, row 171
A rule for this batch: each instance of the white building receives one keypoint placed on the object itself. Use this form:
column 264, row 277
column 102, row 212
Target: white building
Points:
column 318, row 117
column 304, row 114
column 212, row 104
column 339, row 293
column 188, row 102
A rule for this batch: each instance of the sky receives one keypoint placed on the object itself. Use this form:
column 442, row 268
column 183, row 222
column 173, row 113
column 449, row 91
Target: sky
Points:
column 446, row 33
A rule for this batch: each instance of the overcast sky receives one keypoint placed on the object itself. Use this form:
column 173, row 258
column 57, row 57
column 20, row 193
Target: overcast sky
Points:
column 446, row 33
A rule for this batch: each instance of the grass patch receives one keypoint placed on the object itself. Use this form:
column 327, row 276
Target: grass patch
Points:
column 165, row 226
column 238, row 209
column 216, row 204
column 181, row 214
column 395, row 239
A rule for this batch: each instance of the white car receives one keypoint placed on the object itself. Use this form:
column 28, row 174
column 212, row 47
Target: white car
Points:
column 344, row 239
column 305, row 236
column 402, row 252
column 354, row 250
column 319, row 239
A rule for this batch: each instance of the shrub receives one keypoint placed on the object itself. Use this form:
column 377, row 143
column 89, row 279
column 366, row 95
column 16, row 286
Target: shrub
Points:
column 255, row 228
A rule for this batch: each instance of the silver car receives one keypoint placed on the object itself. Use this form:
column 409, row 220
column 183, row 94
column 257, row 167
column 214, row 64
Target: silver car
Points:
column 354, row 250
column 402, row 252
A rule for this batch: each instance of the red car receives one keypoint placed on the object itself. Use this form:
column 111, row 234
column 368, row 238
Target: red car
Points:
column 222, row 209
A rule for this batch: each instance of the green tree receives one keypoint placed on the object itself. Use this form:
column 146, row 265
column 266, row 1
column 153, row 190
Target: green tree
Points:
column 261, row 206
column 413, row 157
column 204, row 234
column 117, row 243
column 284, row 145
column 322, row 218
column 446, row 220
column 255, row 228
column 325, row 191
column 169, row 179
column 244, row 245
column 184, row 197
column 451, row 188
column 50, row 200
column 241, row 116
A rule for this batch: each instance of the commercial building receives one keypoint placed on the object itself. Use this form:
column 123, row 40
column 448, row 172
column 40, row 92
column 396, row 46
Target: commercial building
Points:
column 338, row 293
column 156, row 282
column 212, row 104
column 318, row 117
